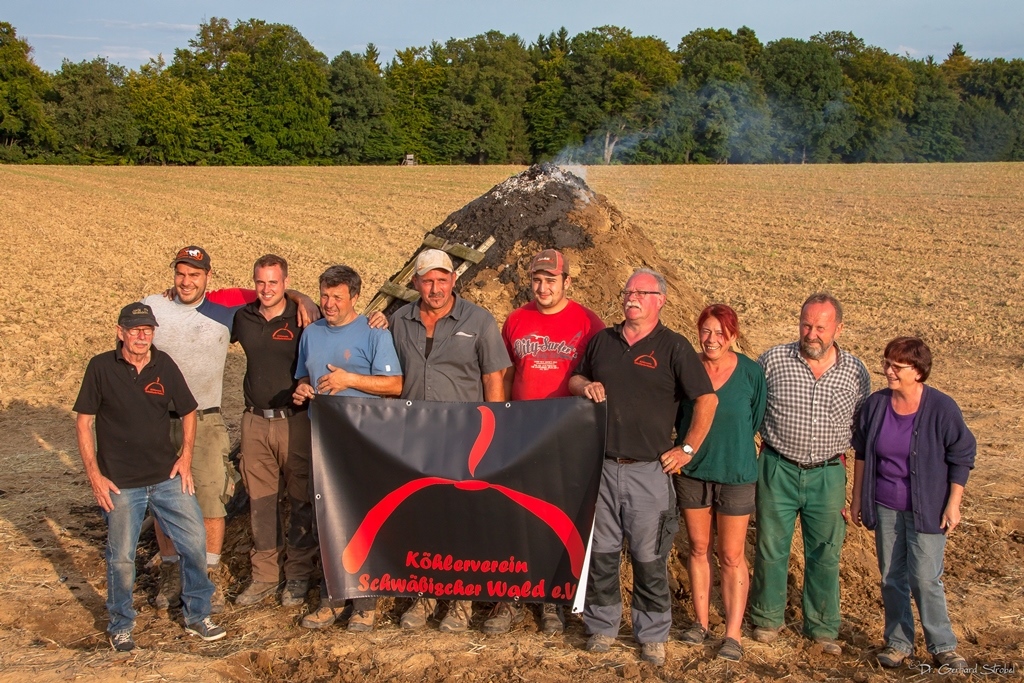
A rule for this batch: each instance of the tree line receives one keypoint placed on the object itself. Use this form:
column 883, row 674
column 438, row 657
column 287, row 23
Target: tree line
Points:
column 259, row 93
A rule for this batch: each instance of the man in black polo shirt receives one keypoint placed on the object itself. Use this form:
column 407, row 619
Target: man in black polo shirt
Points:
column 643, row 369
column 276, row 447
column 127, row 395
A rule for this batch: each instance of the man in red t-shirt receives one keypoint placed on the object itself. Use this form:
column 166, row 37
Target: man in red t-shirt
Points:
column 545, row 339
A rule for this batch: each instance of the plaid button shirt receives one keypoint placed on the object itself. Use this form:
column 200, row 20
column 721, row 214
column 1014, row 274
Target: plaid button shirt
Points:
column 810, row 420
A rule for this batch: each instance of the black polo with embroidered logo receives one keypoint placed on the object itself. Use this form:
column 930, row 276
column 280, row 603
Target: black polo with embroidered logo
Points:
column 644, row 384
column 271, row 351
column 133, row 420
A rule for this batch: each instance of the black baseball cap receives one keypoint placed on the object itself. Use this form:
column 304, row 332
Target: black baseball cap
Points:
column 136, row 315
column 193, row 256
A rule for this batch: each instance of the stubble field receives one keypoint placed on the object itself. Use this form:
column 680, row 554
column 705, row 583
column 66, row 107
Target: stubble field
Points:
column 928, row 250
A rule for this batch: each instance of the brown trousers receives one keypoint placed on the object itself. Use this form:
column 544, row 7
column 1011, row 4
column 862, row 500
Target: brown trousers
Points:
column 275, row 465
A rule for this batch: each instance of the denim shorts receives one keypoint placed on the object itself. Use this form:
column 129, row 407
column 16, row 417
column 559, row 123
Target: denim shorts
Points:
column 726, row 499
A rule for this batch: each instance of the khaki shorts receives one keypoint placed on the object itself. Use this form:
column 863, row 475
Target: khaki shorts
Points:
column 212, row 473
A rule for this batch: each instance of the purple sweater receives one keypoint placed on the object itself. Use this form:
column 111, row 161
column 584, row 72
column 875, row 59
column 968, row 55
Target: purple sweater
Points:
column 942, row 451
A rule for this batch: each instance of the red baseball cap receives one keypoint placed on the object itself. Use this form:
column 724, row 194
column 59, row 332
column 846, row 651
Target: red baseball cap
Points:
column 551, row 261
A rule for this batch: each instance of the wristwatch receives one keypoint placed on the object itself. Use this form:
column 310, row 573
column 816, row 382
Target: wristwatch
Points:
column 688, row 449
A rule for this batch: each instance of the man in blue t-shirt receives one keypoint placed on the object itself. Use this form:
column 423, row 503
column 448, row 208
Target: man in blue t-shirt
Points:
column 342, row 355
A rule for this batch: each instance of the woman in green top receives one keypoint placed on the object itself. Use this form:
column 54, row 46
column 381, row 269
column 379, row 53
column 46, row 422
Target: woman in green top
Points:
column 718, row 483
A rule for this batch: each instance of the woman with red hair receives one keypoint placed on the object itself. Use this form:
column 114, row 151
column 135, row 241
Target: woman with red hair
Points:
column 717, row 485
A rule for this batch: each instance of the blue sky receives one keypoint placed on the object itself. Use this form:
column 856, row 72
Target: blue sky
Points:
column 130, row 33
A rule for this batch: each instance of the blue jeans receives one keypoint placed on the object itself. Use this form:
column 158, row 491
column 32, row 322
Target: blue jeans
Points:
column 179, row 516
column 911, row 563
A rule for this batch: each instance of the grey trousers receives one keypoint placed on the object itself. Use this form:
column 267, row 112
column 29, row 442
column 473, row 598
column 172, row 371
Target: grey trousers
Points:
column 636, row 502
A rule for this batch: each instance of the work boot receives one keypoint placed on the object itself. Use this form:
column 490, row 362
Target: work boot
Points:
column 323, row 617
column 257, row 591
column 460, row 612
column 766, row 634
column 551, row 621
column 653, row 653
column 362, row 621
column 599, row 643
column 215, row 573
column 416, row 616
column 294, row 593
column 168, row 592
column 501, row 618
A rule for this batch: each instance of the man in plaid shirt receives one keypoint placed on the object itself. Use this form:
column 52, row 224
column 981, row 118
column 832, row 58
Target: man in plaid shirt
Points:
column 814, row 392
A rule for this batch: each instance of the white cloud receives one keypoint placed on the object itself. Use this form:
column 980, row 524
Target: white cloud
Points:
column 149, row 25
column 119, row 52
column 907, row 50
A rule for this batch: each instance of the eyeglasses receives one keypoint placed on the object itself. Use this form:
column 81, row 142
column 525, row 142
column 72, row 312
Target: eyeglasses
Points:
column 638, row 293
column 886, row 363
column 140, row 332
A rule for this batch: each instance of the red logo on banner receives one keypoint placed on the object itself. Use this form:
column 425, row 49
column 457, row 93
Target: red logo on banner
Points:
column 358, row 547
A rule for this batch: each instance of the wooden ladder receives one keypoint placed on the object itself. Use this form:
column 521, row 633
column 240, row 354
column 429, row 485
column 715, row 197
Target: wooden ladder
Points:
column 397, row 287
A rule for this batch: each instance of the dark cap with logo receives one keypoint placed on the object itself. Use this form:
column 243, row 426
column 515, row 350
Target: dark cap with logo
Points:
column 551, row 261
column 136, row 315
column 193, row 256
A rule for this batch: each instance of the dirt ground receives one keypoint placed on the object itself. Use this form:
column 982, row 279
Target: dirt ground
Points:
column 924, row 250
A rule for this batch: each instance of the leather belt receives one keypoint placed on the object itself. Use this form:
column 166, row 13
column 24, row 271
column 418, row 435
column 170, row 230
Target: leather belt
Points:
column 625, row 461
column 834, row 460
column 273, row 413
column 199, row 413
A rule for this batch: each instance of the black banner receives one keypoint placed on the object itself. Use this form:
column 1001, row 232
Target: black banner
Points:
column 488, row 501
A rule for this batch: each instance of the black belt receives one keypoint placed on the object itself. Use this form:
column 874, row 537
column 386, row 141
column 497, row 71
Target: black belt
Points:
column 834, row 460
column 273, row 413
column 199, row 413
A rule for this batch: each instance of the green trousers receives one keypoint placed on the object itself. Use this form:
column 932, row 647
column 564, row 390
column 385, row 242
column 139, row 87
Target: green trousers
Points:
column 818, row 496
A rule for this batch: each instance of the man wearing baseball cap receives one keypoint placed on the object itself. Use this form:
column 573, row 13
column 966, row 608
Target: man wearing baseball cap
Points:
column 545, row 338
column 196, row 333
column 131, row 465
column 467, row 363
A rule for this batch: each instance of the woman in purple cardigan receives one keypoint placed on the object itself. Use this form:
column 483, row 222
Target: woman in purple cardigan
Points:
column 914, row 453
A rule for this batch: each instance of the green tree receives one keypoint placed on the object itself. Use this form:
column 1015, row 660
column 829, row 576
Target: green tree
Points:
column 91, row 112
column 616, row 85
column 417, row 83
column 806, row 90
column 164, row 112
column 25, row 128
column 988, row 133
column 549, row 124
column 930, row 127
column 362, row 111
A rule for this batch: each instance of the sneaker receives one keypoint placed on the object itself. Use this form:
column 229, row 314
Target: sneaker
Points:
column 257, row 591
column 323, row 617
column 294, row 593
column 551, row 621
column 694, row 635
column 502, row 617
column 460, row 612
column 950, row 661
column 829, row 646
column 765, row 634
column 890, row 657
column 362, row 621
column 217, row 599
column 599, row 643
column 122, row 641
column 206, row 629
column 168, row 592
column 653, row 653
column 416, row 616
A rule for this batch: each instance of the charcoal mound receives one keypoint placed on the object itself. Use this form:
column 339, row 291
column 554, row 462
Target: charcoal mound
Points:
column 546, row 207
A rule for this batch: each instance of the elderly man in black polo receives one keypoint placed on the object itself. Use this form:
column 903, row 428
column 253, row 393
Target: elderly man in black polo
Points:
column 643, row 369
column 131, row 465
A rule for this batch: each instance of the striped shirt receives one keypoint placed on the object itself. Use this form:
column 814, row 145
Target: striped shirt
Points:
column 810, row 420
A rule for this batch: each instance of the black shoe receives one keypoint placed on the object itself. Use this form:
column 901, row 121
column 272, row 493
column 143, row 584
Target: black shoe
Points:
column 122, row 641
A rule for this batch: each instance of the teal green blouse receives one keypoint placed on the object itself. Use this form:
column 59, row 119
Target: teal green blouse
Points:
column 728, row 454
